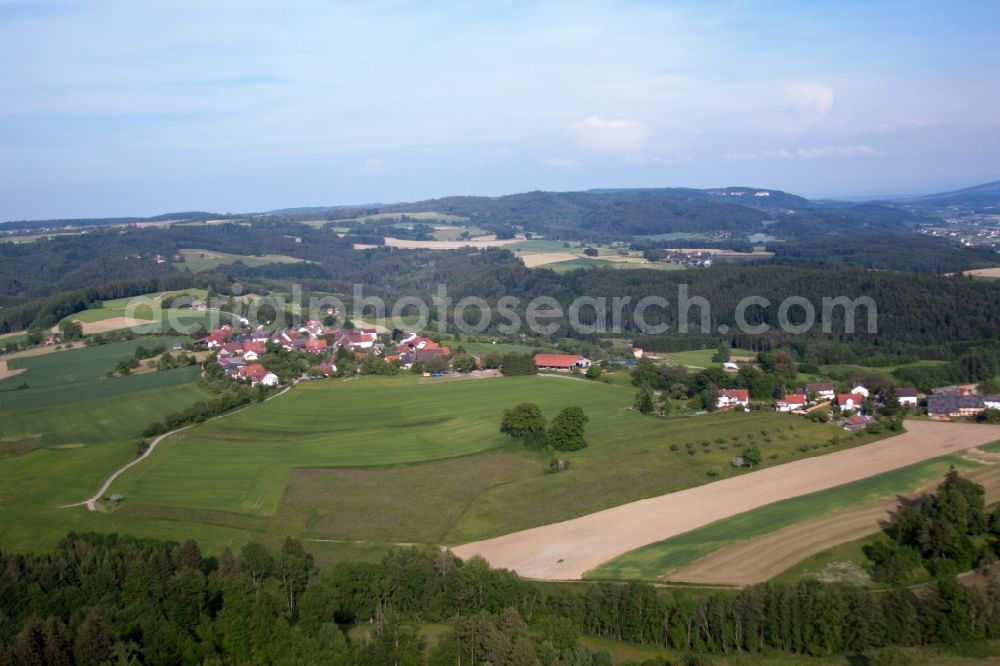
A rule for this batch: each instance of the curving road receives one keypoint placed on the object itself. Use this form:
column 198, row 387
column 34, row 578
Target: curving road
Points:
column 92, row 502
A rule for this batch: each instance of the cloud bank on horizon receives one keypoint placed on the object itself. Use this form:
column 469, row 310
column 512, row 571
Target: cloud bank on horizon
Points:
column 121, row 108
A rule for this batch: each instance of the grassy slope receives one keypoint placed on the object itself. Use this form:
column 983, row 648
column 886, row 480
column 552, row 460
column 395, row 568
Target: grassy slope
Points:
column 702, row 358
column 651, row 562
column 197, row 260
column 353, row 439
column 79, row 427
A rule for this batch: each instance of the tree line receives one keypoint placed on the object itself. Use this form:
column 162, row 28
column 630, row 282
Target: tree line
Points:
column 97, row 598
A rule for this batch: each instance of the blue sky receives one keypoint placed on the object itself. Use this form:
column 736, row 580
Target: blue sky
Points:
column 137, row 108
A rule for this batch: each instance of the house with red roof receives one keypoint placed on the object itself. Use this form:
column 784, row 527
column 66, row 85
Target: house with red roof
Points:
column 850, row 401
column 790, row 402
column 729, row 398
column 317, row 346
column 561, row 361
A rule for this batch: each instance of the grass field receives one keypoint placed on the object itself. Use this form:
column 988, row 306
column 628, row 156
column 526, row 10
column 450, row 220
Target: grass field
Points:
column 656, row 560
column 145, row 307
column 848, row 368
column 133, row 312
column 197, row 260
column 317, row 461
column 702, row 358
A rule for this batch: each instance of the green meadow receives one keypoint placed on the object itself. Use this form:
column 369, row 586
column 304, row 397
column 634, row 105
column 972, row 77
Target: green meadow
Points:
column 318, row 460
column 146, row 307
column 65, row 433
column 653, row 561
column 702, row 358
column 350, row 464
column 197, row 260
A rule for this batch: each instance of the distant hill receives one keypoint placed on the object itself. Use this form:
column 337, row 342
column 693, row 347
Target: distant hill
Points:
column 602, row 214
column 29, row 225
column 975, row 199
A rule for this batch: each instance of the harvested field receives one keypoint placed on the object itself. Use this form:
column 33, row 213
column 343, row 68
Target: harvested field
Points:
column 545, row 258
column 566, row 550
column 485, row 241
column 762, row 558
column 112, row 324
column 984, row 272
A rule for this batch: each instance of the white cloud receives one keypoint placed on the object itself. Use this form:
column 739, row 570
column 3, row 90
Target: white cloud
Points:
column 812, row 101
column 561, row 163
column 375, row 165
column 609, row 134
column 855, row 150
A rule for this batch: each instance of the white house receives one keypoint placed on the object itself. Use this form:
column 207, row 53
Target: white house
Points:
column 729, row 398
column 907, row 397
column 860, row 390
column 250, row 355
column 850, row 401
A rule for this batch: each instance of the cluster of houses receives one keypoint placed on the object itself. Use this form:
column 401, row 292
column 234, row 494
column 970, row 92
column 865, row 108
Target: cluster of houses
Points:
column 238, row 351
column 949, row 402
column 813, row 396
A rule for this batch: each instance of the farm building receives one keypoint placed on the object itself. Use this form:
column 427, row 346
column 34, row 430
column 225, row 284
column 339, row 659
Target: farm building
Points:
column 823, row 390
column 729, row 398
column 560, row 361
column 960, row 406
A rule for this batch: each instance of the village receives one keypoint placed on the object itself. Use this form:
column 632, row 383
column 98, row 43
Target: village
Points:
column 238, row 352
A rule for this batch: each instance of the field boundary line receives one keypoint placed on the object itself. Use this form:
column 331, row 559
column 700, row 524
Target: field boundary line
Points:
column 92, row 502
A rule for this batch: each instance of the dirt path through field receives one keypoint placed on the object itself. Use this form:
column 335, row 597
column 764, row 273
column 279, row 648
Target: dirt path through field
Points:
column 566, row 550
column 7, row 373
column 91, row 503
column 41, row 351
column 764, row 557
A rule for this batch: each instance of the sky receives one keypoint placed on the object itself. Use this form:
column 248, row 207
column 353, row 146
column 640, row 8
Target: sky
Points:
column 119, row 108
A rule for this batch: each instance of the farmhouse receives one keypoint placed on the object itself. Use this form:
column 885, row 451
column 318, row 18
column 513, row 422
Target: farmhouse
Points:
column 954, row 406
column 907, row 396
column 790, row 402
column 823, row 390
column 729, row 398
column 850, row 400
column 859, row 390
column 560, row 361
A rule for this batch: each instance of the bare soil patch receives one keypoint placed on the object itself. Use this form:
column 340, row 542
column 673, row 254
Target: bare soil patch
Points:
column 566, row 550
column 984, row 272
column 482, row 241
column 112, row 324
column 545, row 258
column 7, row 373
column 762, row 558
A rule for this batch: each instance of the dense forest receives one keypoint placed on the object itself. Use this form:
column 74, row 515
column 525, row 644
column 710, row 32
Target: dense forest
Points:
column 43, row 281
column 98, row 598
column 601, row 214
column 900, row 252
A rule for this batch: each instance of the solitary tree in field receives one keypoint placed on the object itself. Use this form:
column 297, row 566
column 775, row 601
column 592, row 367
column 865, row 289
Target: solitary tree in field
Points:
column 524, row 422
column 566, row 433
